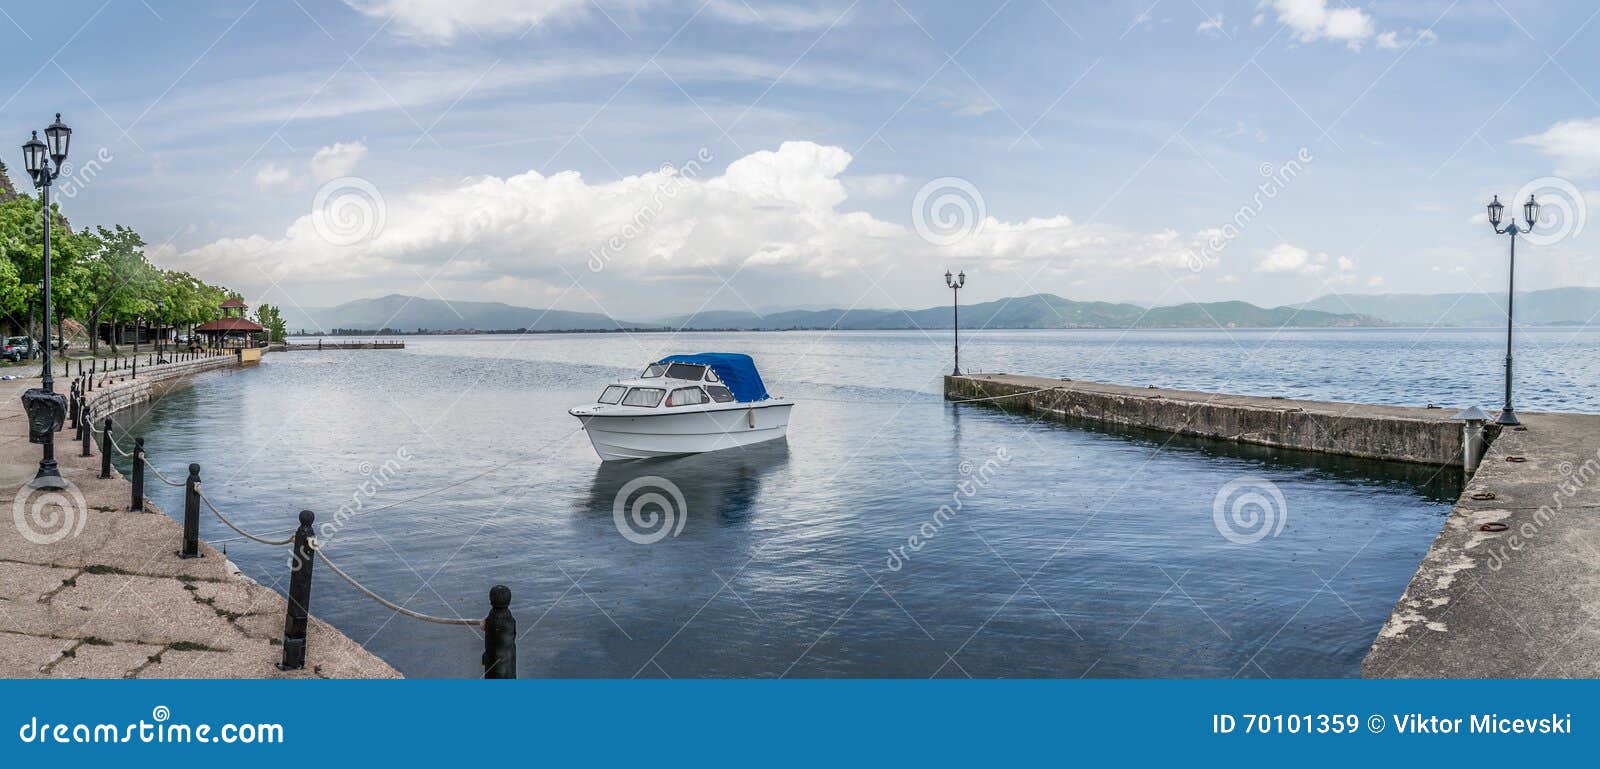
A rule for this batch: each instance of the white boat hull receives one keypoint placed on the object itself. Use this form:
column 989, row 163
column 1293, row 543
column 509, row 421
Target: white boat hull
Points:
column 656, row 434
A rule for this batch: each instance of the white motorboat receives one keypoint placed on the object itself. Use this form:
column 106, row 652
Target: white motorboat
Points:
column 684, row 404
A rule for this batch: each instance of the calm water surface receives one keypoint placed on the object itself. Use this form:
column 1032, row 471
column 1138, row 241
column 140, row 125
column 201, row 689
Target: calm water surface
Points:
column 1084, row 552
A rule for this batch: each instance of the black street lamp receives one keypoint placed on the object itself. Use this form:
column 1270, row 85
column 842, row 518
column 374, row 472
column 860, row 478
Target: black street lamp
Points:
column 956, row 283
column 1530, row 215
column 47, row 409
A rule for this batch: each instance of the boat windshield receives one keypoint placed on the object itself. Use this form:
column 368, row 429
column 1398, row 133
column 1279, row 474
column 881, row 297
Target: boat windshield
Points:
column 653, row 370
column 648, row 397
column 689, row 371
column 613, row 394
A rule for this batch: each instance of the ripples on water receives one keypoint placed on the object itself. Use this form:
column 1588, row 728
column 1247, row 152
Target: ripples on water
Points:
column 1090, row 552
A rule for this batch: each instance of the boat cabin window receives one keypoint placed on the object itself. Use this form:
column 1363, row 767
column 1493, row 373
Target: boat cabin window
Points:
column 719, row 393
column 687, row 396
column 687, row 371
column 653, row 370
column 711, row 375
column 613, row 394
column 648, row 397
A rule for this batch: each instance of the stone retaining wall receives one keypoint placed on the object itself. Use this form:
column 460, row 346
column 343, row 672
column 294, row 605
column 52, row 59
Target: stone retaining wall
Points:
column 1395, row 433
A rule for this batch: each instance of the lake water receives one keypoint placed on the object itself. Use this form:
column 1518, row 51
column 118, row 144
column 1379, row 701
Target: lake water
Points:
column 1082, row 551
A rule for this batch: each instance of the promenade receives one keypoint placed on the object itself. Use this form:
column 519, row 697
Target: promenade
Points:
column 91, row 590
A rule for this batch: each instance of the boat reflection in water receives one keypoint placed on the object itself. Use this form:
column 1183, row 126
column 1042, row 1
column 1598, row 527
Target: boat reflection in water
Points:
column 651, row 500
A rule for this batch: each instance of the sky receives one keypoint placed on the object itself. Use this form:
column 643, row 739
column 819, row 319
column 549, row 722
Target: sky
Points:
column 648, row 157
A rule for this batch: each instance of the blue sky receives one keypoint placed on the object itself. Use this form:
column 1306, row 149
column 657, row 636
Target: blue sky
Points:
column 308, row 152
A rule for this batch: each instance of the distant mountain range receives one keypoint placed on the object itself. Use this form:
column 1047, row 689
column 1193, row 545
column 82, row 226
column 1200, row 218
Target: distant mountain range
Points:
column 410, row 314
column 397, row 313
column 1550, row 307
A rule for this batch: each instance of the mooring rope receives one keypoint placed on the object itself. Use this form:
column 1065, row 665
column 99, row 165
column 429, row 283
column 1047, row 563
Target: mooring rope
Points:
column 164, row 479
column 118, row 448
column 388, row 603
column 242, row 532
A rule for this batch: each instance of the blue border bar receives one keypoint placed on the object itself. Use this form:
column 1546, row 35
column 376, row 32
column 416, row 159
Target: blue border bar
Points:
column 795, row 723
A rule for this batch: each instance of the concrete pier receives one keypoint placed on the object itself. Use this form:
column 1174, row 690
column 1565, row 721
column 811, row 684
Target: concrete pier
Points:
column 1391, row 433
column 1510, row 587
column 91, row 590
column 1519, row 602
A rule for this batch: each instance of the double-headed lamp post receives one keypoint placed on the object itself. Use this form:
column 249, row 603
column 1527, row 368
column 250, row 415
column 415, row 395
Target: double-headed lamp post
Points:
column 47, row 409
column 956, row 282
column 1530, row 215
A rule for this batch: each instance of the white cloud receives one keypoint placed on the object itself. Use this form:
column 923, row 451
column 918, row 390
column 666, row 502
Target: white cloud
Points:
column 1375, row 281
column 1313, row 20
column 772, row 208
column 1392, row 40
column 337, row 160
column 1575, row 144
column 442, row 21
column 1286, row 258
column 875, row 185
column 1346, row 264
column 1211, row 27
column 271, row 176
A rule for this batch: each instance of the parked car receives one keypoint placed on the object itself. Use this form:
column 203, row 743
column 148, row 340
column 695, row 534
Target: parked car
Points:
column 18, row 348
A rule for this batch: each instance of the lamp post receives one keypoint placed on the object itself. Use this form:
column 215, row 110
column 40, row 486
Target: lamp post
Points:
column 47, row 409
column 1530, row 214
column 956, row 283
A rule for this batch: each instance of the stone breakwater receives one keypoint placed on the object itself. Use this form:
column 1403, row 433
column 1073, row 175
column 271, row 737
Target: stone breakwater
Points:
column 1511, row 584
column 1393, row 433
column 91, row 590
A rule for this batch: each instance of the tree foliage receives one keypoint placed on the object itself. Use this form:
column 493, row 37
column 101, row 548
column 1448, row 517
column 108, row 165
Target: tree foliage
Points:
column 98, row 275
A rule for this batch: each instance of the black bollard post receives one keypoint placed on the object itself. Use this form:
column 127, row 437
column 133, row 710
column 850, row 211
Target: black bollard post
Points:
column 135, row 367
column 191, row 514
column 294, row 621
column 72, row 403
column 500, row 636
column 105, row 450
column 85, row 431
column 138, row 475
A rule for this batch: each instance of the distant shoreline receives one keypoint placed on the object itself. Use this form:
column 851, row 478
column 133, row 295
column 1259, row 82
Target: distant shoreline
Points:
column 338, row 333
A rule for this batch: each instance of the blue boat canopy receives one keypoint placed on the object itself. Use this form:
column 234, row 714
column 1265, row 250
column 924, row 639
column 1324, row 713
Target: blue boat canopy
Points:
column 737, row 371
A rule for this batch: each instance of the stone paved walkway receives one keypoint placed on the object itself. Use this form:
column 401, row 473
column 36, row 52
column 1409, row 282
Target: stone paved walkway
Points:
column 95, row 591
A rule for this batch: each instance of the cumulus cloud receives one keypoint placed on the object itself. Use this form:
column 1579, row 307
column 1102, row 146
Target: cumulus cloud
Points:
column 1574, row 143
column 1312, row 20
column 272, row 176
column 337, row 160
column 782, row 208
column 1211, row 27
column 1286, row 258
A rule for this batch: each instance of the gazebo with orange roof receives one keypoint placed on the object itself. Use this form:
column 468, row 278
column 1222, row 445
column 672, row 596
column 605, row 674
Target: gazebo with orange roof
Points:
column 232, row 329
